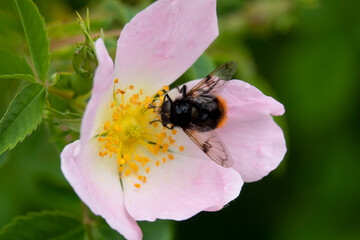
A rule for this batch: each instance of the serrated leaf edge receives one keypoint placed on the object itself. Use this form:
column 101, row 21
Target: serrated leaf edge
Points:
column 29, row 76
column 27, row 39
column 32, row 130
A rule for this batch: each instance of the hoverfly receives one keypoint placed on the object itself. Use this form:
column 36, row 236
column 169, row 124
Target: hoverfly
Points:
column 200, row 111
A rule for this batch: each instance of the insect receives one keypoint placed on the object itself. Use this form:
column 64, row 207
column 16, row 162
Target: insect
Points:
column 200, row 111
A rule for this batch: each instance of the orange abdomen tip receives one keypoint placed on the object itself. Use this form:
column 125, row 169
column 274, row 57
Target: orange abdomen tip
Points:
column 223, row 109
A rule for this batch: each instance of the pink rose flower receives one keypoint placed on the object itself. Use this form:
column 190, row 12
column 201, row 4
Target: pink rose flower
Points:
column 126, row 169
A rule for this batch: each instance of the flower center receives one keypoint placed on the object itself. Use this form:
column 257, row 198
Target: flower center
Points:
column 131, row 138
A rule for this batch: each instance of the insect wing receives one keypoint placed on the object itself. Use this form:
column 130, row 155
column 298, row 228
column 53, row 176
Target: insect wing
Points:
column 214, row 82
column 211, row 144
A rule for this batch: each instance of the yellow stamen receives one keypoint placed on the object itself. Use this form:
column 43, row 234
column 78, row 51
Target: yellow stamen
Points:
column 128, row 135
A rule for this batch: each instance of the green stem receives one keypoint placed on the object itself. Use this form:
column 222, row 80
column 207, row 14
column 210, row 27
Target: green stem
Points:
column 87, row 221
column 67, row 94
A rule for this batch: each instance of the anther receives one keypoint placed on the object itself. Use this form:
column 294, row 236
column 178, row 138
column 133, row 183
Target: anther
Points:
column 127, row 172
column 134, row 167
column 165, row 147
column 171, row 140
column 107, row 125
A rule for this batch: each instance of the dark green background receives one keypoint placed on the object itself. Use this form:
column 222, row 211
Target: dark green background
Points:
column 304, row 53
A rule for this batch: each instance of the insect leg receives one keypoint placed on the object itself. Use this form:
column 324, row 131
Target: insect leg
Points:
column 152, row 106
column 155, row 121
column 182, row 90
column 167, row 97
column 170, row 128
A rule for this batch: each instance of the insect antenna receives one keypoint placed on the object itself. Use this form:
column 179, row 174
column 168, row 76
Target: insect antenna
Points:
column 157, row 110
column 152, row 106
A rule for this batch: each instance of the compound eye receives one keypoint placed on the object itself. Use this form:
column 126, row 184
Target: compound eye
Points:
column 166, row 107
column 165, row 112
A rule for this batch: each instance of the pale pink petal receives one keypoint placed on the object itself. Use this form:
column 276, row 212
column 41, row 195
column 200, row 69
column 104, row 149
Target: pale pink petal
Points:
column 97, row 110
column 96, row 181
column 163, row 41
column 182, row 187
column 255, row 141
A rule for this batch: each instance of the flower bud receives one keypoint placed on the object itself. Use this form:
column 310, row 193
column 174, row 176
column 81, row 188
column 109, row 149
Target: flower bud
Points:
column 79, row 84
column 85, row 62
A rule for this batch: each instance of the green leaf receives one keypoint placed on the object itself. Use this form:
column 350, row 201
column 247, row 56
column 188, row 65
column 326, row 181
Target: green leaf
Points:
column 43, row 225
column 4, row 158
column 23, row 116
column 34, row 27
column 14, row 66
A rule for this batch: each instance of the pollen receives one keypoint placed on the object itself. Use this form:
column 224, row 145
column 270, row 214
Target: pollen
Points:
column 166, row 88
column 132, row 139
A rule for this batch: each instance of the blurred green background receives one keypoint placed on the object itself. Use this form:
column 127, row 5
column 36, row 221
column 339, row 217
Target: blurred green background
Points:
column 304, row 53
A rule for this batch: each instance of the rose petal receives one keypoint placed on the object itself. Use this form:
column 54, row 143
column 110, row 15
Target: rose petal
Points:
column 97, row 110
column 163, row 41
column 96, row 181
column 255, row 141
column 182, row 187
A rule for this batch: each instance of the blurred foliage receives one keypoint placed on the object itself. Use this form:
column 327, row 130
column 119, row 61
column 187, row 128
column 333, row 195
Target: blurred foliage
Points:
column 304, row 53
